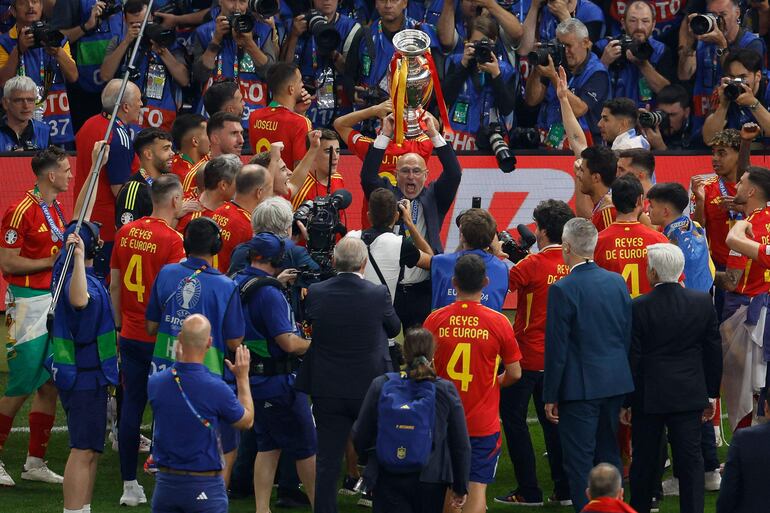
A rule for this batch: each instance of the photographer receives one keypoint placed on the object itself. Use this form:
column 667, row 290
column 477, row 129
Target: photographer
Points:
column 160, row 65
column 743, row 95
column 541, row 24
column 674, row 131
column 311, row 45
column 479, row 87
column 588, row 85
column 617, row 125
column 701, row 56
column 639, row 65
column 237, row 51
column 46, row 64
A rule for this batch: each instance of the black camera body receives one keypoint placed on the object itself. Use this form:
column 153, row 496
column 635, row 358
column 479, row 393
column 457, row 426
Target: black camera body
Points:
column 110, row 7
column 44, row 35
column 704, row 23
column 492, row 137
column 321, row 217
column 264, row 8
column 372, row 95
column 155, row 33
column 242, row 23
column 734, row 88
column 483, row 51
column 517, row 250
column 539, row 56
column 524, row 138
column 653, row 119
column 326, row 36
column 642, row 50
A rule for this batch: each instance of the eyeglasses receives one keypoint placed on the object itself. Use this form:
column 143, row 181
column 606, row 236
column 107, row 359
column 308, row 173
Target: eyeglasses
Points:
column 415, row 171
column 17, row 101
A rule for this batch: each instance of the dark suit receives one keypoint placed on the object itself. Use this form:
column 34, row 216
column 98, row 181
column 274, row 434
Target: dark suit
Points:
column 352, row 320
column 676, row 363
column 744, row 482
column 587, row 335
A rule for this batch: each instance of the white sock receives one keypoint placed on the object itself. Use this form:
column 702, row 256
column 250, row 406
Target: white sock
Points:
column 33, row 462
column 73, row 510
column 126, row 484
column 87, row 508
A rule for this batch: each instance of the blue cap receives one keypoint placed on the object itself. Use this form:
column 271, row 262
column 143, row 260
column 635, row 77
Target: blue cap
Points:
column 89, row 234
column 265, row 244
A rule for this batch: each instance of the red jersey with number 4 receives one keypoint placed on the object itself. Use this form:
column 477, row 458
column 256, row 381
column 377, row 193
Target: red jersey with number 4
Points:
column 716, row 219
column 25, row 228
column 470, row 341
column 531, row 278
column 756, row 275
column 622, row 248
column 277, row 123
column 141, row 248
column 236, row 228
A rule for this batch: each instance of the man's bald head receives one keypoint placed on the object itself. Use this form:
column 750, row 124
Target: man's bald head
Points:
column 251, row 178
column 195, row 333
column 605, row 481
column 411, row 174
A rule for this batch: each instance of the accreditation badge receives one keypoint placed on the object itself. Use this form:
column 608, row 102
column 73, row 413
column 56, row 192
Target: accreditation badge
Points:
column 156, row 81
column 460, row 114
column 645, row 92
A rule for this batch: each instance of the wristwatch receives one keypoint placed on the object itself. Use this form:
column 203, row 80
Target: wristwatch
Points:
column 754, row 105
column 721, row 52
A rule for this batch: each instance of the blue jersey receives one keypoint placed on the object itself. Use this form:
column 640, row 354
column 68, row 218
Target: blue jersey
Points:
column 442, row 269
column 187, row 288
column 267, row 315
column 180, row 439
column 35, row 137
column 691, row 238
column 625, row 78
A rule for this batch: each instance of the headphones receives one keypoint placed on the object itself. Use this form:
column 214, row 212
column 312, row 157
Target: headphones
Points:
column 216, row 245
column 92, row 248
column 277, row 260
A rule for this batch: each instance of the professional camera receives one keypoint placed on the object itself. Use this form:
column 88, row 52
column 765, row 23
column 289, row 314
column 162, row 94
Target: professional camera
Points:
column 734, row 88
column 524, row 138
column 372, row 95
column 321, row 217
column 704, row 23
column 264, row 8
column 539, row 56
column 326, row 36
column 653, row 119
column 642, row 50
column 243, row 23
column 110, row 7
column 491, row 138
column 157, row 34
column 45, row 36
column 483, row 51
column 517, row 250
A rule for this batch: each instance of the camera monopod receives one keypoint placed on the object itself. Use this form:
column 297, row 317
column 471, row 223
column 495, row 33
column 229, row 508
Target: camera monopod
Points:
column 94, row 178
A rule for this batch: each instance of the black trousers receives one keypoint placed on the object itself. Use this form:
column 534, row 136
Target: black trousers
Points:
column 412, row 303
column 404, row 493
column 334, row 418
column 684, row 434
column 83, row 105
column 514, row 402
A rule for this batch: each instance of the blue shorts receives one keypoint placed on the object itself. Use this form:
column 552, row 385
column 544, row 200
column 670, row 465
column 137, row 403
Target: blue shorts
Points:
column 485, row 451
column 285, row 422
column 188, row 494
column 86, row 417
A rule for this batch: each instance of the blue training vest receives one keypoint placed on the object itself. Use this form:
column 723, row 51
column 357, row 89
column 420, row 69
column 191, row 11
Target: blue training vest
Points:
column 441, row 272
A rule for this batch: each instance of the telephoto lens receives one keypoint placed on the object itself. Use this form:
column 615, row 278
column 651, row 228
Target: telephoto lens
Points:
column 704, row 23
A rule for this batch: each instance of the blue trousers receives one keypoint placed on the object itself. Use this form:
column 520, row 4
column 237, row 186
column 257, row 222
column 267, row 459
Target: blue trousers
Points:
column 135, row 360
column 188, row 494
column 588, row 430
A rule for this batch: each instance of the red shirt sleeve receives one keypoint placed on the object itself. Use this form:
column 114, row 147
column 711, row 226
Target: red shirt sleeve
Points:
column 359, row 144
column 520, row 274
column 13, row 230
column 509, row 348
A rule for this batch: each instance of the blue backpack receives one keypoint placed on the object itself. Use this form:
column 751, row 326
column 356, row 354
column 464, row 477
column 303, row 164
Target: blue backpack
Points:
column 406, row 416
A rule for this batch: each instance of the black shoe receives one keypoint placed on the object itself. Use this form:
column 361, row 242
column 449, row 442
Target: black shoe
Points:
column 366, row 500
column 294, row 498
column 349, row 486
column 655, row 505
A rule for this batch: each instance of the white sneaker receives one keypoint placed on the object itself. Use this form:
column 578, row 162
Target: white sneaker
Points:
column 718, row 434
column 5, row 477
column 144, row 444
column 113, row 438
column 670, row 486
column 713, row 481
column 42, row 474
column 133, row 495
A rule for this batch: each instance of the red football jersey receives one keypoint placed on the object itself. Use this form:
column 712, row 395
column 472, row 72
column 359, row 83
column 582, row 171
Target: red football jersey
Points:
column 717, row 220
column 312, row 188
column 185, row 220
column 26, row 228
column 756, row 276
column 532, row 277
column 604, row 217
column 142, row 247
column 470, row 341
column 236, row 228
column 622, row 248
column 190, row 182
column 180, row 166
column 277, row 123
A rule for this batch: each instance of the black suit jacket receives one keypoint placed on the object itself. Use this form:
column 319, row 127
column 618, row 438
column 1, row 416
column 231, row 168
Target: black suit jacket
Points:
column 676, row 350
column 744, row 482
column 352, row 320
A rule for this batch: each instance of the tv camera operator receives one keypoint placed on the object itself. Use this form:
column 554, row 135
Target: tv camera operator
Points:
column 479, row 88
column 160, row 67
column 670, row 126
column 319, row 42
column 33, row 49
column 429, row 206
column 639, row 65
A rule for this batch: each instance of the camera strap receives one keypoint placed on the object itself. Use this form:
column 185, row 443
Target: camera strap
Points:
column 377, row 267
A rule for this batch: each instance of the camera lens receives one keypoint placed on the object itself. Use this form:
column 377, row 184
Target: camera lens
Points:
column 326, row 36
column 733, row 90
column 264, row 8
column 703, row 24
column 505, row 158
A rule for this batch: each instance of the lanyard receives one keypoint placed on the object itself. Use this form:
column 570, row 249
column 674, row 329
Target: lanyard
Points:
column 235, row 64
column 178, row 381
column 723, row 191
column 601, row 202
column 56, row 233
column 147, row 178
column 681, row 222
column 415, row 215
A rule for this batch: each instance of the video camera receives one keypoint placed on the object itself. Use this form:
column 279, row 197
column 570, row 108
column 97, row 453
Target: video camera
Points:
column 539, row 56
column 517, row 250
column 483, row 51
column 326, row 36
column 642, row 50
column 704, row 23
column 321, row 217
column 491, row 137
column 734, row 88
column 653, row 119
column 45, row 36
column 242, row 23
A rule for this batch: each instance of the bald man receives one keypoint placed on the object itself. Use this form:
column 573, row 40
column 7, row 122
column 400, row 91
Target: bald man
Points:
column 189, row 405
column 429, row 206
column 605, row 490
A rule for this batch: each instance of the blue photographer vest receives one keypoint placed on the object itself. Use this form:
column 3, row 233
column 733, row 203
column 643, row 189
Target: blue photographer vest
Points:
column 90, row 49
column 627, row 81
column 585, row 11
column 738, row 115
column 34, row 64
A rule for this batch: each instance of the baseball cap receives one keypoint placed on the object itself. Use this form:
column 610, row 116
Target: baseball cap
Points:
column 266, row 244
column 89, row 234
